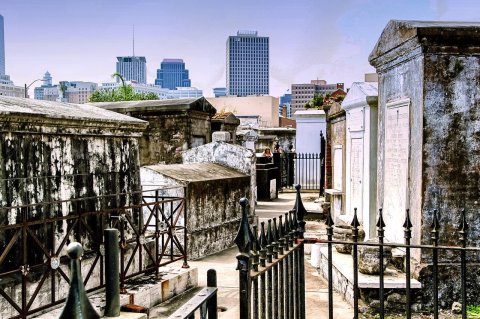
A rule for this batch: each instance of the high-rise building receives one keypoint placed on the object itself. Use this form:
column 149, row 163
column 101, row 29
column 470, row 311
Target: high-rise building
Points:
column 247, row 64
column 2, row 48
column 132, row 68
column 172, row 74
column 285, row 102
column 6, row 85
column 303, row 93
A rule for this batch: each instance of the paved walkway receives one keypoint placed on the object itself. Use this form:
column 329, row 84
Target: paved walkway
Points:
column 225, row 263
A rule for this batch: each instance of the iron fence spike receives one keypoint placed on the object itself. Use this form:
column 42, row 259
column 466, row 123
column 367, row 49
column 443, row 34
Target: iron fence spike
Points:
column 299, row 208
column 270, row 239
column 463, row 227
column 435, row 223
column 380, row 221
column 355, row 223
column 275, row 230
column 280, row 226
column 329, row 221
column 407, row 225
column 263, row 238
column 244, row 238
column 287, row 224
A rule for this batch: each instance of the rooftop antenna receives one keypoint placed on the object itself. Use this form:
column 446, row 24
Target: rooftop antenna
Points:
column 133, row 40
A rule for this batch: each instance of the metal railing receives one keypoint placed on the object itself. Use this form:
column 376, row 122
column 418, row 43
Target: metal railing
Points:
column 435, row 248
column 204, row 302
column 33, row 259
column 307, row 170
column 271, row 267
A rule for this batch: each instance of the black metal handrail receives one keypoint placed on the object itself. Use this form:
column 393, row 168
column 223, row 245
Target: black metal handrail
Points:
column 205, row 301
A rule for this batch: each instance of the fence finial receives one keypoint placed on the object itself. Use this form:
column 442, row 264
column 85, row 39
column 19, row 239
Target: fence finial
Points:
column 380, row 221
column 463, row 227
column 244, row 238
column 408, row 222
column 435, row 226
column 77, row 305
column 355, row 223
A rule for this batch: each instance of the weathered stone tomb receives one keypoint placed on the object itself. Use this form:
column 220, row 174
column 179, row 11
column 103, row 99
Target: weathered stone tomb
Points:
column 212, row 194
column 428, row 140
column 174, row 126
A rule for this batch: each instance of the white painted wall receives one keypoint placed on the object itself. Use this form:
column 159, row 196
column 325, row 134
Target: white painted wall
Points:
column 309, row 125
column 360, row 106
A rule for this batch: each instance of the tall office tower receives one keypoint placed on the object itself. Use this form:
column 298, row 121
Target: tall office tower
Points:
column 247, row 64
column 2, row 48
column 172, row 74
column 132, row 68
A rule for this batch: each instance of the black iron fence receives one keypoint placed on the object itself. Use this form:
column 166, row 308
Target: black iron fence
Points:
column 33, row 265
column 271, row 266
column 306, row 169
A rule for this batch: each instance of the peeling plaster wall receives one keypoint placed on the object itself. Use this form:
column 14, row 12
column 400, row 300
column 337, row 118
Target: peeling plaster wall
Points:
column 45, row 163
column 436, row 66
column 237, row 157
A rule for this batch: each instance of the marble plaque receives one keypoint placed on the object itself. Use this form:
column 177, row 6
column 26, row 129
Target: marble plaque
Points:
column 356, row 176
column 356, row 120
column 337, row 168
column 397, row 141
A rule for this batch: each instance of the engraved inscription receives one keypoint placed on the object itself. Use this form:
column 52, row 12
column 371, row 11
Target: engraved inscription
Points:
column 397, row 143
column 356, row 175
column 337, row 168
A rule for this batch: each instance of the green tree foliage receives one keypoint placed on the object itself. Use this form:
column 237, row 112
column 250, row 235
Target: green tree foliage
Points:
column 123, row 93
column 316, row 103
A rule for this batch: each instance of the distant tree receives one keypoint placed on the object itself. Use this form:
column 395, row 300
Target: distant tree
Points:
column 123, row 93
column 316, row 102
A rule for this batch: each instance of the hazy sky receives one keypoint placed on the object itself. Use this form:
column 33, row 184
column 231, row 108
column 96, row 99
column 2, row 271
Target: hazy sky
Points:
column 309, row 39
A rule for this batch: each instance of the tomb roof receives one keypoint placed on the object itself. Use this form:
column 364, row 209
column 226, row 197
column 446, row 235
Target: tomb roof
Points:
column 196, row 172
column 51, row 110
column 426, row 33
column 169, row 105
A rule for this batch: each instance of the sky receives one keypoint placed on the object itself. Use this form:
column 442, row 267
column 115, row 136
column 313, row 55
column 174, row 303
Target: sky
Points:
column 309, row 39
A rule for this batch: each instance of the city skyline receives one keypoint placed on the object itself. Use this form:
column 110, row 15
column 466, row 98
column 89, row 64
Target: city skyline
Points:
column 308, row 39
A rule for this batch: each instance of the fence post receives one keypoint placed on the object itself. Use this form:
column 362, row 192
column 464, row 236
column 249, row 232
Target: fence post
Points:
column 212, row 302
column 244, row 241
column 77, row 304
column 322, row 164
column 300, row 213
column 185, row 229
column 290, row 165
column 112, row 278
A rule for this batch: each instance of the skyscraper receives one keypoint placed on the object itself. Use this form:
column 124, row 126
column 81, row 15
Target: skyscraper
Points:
column 172, row 74
column 2, row 48
column 247, row 64
column 132, row 68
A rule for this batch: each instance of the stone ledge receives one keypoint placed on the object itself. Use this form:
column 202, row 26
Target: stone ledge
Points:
column 343, row 273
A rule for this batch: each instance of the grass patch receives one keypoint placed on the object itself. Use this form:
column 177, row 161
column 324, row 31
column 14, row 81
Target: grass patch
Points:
column 473, row 311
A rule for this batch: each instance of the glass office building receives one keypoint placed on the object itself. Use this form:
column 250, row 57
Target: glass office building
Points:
column 172, row 74
column 247, row 64
column 132, row 68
